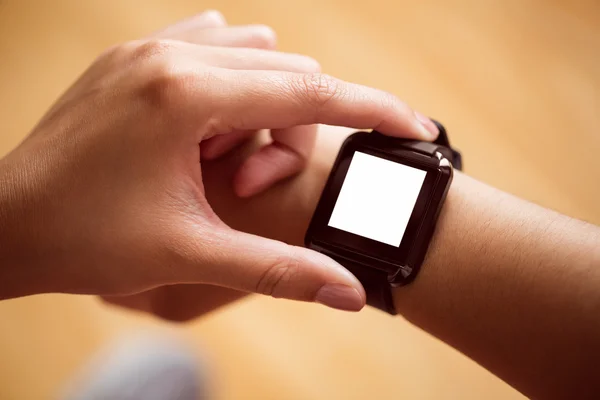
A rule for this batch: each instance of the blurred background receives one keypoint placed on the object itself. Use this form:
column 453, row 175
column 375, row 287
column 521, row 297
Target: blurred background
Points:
column 516, row 82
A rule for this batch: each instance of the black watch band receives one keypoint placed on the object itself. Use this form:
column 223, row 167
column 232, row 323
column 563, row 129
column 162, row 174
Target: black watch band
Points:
column 376, row 285
column 440, row 145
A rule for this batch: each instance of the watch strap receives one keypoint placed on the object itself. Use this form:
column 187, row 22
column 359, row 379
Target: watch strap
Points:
column 376, row 285
column 440, row 145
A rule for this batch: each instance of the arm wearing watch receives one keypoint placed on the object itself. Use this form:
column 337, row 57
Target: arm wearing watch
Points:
column 512, row 285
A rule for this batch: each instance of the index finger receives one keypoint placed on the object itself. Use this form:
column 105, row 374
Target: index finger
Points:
column 277, row 100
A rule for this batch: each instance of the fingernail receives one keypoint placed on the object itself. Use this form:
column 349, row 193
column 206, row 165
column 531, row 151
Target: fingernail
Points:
column 339, row 296
column 427, row 127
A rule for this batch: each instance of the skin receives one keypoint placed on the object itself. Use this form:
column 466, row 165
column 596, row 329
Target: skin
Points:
column 512, row 285
column 106, row 195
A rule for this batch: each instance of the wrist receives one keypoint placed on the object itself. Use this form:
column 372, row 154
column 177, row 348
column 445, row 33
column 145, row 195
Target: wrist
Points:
column 456, row 218
column 472, row 253
column 21, row 272
column 10, row 282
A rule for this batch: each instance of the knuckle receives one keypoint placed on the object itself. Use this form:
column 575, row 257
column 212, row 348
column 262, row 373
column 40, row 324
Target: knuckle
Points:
column 162, row 89
column 319, row 88
column 264, row 37
column 165, row 81
column 215, row 17
column 151, row 49
column 168, row 84
column 282, row 270
column 158, row 73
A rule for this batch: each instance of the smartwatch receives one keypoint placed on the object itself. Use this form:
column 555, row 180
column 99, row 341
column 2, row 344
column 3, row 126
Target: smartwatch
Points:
column 378, row 210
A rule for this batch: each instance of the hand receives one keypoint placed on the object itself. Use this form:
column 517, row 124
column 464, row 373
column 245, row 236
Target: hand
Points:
column 106, row 195
column 185, row 302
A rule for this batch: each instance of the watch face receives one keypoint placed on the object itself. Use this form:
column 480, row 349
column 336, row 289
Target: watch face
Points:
column 375, row 201
column 377, row 198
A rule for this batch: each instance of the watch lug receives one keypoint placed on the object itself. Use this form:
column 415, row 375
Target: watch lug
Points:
column 403, row 272
column 444, row 162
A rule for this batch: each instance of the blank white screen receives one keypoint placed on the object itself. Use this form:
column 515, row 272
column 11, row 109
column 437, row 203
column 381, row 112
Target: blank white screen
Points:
column 377, row 198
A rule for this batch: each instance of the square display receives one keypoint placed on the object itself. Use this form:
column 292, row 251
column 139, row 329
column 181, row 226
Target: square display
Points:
column 377, row 198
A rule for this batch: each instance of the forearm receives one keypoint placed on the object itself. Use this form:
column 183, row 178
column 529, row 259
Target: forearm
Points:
column 510, row 284
column 514, row 286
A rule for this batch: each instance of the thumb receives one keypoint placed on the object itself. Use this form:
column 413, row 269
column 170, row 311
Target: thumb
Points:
column 255, row 264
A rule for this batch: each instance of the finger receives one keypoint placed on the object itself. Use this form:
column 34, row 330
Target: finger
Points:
column 278, row 100
column 206, row 20
column 292, row 146
column 251, row 263
column 284, row 157
column 257, row 59
column 254, row 36
column 427, row 122
column 217, row 146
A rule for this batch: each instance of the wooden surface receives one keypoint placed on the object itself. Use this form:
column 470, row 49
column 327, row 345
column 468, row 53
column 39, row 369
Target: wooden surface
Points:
column 516, row 82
